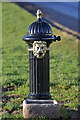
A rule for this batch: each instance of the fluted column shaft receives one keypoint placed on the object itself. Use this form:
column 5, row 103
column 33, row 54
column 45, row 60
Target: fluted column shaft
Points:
column 39, row 76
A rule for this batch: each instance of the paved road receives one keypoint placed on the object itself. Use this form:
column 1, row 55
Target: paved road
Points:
column 63, row 13
column 66, row 13
column 67, row 8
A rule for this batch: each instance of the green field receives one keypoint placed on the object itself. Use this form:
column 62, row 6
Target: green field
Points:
column 15, row 64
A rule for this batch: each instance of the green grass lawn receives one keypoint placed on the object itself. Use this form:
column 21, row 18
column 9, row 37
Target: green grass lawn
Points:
column 15, row 63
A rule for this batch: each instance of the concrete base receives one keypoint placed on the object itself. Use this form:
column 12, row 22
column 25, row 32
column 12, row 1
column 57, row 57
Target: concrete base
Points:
column 47, row 108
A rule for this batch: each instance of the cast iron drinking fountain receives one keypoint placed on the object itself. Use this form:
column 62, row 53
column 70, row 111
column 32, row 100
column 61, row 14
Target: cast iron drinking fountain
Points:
column 39, row 101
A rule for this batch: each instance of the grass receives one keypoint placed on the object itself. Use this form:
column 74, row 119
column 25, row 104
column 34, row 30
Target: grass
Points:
column 15, row 64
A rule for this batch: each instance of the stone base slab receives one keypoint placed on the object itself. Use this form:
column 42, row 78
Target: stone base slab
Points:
column 47, row 108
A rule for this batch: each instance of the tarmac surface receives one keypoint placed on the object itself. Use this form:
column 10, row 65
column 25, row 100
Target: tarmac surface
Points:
column 59, row 14
column 65, row 13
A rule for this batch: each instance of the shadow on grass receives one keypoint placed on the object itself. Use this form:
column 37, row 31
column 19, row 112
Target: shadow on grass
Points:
column 65, row 114
column 68, row 114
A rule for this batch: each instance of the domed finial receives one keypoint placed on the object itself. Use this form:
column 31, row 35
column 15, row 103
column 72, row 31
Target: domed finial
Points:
column 39, row 14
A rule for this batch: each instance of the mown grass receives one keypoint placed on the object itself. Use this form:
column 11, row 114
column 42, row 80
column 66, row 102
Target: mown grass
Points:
column 15, row 63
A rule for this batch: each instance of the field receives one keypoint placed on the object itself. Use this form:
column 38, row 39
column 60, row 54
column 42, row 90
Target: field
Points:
column 15, row 64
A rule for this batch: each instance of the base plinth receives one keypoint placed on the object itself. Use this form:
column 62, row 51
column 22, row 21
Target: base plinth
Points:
column 36, row 108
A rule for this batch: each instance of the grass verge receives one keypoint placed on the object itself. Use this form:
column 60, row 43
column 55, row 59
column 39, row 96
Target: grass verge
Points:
column 15, row 63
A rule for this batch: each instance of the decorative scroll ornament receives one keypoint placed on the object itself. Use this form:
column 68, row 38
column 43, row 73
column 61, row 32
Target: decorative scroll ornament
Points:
column 39, row 49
